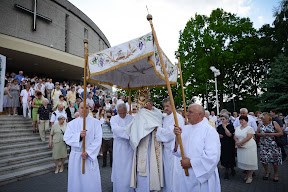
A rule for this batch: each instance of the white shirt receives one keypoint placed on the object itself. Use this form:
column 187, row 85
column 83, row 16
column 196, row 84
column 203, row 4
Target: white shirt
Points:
column 251, row 122
column 214, row 118
column 80, row 90
column 32, row 91
column 43, row 88
column 120, row 101
column 108, row 106
column 24, row 94
column 50, row 85
column 90, row 102
column 56, row 114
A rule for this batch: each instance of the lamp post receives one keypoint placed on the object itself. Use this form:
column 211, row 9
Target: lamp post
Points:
column 232, row 86
column 216, row 73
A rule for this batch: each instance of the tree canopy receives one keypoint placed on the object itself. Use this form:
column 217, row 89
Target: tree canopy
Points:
column 227, row 42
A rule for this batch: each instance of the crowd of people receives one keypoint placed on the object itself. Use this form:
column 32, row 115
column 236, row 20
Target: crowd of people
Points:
column 238, row 136
column 51, row 105
column 242, row 134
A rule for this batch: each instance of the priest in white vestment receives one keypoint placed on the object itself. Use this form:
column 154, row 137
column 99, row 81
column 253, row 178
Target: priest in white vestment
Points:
column 122, row 151
column 165, row 134
column 201, row 145
column 74, row 134
column 147, row 168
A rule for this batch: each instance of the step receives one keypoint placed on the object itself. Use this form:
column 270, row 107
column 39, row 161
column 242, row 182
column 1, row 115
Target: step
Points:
column 18, row 117
column 12, row 135
column 25, row 158
column 9, row 141
column 15, row 122
column 20, row 152
column 25, row 165
column 5, row 126
column 16, row 130
column 23, row 146
column 23, row 174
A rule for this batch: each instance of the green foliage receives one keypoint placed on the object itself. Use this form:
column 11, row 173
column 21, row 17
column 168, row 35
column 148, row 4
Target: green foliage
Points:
column 281, row 27
column 227, row 42
column 276, row 86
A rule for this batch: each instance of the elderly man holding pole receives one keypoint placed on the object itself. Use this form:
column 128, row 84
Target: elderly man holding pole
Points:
column 122, row 151
column 202, row 151
column 74, row 134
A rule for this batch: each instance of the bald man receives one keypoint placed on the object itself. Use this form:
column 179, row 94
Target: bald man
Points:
column 202, row 151
column 74, row 134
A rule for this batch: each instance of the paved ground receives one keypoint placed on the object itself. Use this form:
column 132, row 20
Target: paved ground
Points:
column 58, row 183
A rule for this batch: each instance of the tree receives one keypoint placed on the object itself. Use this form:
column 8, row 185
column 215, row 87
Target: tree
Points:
column 227, row 42
column 281, row 27
column 276, row 86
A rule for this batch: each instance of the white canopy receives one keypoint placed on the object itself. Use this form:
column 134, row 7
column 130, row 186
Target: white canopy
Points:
column 131, row 65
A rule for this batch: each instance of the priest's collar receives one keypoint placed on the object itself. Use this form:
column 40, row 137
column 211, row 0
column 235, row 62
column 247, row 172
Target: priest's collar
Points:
column 200, row 123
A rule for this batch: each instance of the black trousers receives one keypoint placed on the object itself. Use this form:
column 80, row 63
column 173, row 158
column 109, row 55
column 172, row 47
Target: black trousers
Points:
column 107, row 145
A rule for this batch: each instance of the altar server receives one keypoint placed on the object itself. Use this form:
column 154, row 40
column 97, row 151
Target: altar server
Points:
column 202, row 151
column 166, row 135
column 122, row 151
column 74, row 134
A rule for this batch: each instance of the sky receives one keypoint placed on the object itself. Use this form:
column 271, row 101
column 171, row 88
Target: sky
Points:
column 124, row 20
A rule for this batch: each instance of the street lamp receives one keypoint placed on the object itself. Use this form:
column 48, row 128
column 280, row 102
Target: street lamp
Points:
column 216, row 73
column 232, row 85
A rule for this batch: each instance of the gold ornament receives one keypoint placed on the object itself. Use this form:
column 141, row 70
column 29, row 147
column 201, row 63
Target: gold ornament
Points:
column 142, row 97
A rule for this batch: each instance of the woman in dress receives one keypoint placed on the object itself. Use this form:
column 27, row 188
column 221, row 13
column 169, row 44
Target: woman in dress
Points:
column 59, row 146
column 13, row 100
column 270, row 152
column 246, row 148
column 5, row 98
column 36, row 103
column 226, row 133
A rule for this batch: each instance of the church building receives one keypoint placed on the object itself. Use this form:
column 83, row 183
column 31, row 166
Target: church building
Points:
column 45, row 38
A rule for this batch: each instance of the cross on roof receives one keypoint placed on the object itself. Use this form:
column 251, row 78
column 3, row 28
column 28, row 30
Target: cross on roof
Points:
column 35, row 14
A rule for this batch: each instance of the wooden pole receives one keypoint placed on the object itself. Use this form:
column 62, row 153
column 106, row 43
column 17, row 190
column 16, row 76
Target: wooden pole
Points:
column 149, row 18
column 129, row 101
column 181, row 80
column 84, row 100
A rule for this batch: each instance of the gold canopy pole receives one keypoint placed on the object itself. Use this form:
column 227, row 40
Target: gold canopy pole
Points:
column 129, row 101
column 181, row 80
column 149, row 18
column 84, row 100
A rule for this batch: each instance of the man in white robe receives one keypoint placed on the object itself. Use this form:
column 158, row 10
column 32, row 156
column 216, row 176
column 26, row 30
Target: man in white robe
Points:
column 165, row 134
column 122, row 151
column 147, row 168
column 74, row 134
column 201, row 145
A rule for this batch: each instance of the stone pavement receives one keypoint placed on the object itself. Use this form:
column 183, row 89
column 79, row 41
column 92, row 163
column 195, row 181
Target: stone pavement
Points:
column 58, row 183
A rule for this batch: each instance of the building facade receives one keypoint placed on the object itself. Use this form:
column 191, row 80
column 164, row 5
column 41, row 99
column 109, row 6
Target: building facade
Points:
column 45, row 37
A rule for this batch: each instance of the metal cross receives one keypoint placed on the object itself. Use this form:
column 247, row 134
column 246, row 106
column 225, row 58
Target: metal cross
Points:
column 140, row 70
column 35, row 14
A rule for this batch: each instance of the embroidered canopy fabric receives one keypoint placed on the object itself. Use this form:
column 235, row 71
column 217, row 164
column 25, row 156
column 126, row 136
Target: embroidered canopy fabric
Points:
column 133, row 65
